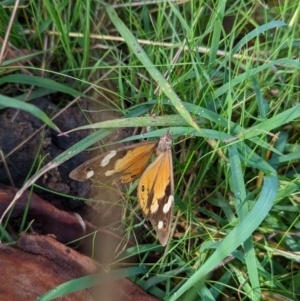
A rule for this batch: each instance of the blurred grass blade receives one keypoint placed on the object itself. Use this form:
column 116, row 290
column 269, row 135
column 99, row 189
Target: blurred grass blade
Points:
column 285, row 62
column 257, row 32
column 35, row 111
column 39, row 82
column 217, row 30
column 90, row 281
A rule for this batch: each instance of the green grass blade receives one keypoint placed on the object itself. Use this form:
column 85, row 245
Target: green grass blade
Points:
column 39, row 82
column 149, row 66
column 276, row 121
column 239, row 192
column 54, row 9
column 285, row 62
column 256, row 32
column 218, row 27
column 238, row 235
column 166, row 121
column 35, row 111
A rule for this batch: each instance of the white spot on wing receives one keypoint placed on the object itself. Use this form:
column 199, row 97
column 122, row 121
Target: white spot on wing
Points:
column 107, row 158
column 90, row 174
column 109, row 173
column 154, row 207
column 160, row 225
column 168, row 205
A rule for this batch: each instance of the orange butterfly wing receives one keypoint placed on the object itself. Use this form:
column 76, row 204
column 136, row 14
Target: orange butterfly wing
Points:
column 156, row 191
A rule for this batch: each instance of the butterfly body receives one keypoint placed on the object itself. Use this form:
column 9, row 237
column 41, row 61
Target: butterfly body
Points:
column 155, row 189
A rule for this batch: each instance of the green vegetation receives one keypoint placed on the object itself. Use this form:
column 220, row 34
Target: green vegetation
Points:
column 229, row 72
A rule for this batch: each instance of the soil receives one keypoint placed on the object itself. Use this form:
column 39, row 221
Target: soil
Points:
column 27, row 145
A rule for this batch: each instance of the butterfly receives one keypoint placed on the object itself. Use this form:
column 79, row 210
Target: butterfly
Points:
column 155, row 190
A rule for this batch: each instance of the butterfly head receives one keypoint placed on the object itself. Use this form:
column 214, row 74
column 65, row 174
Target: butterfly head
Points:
column 164, row 143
